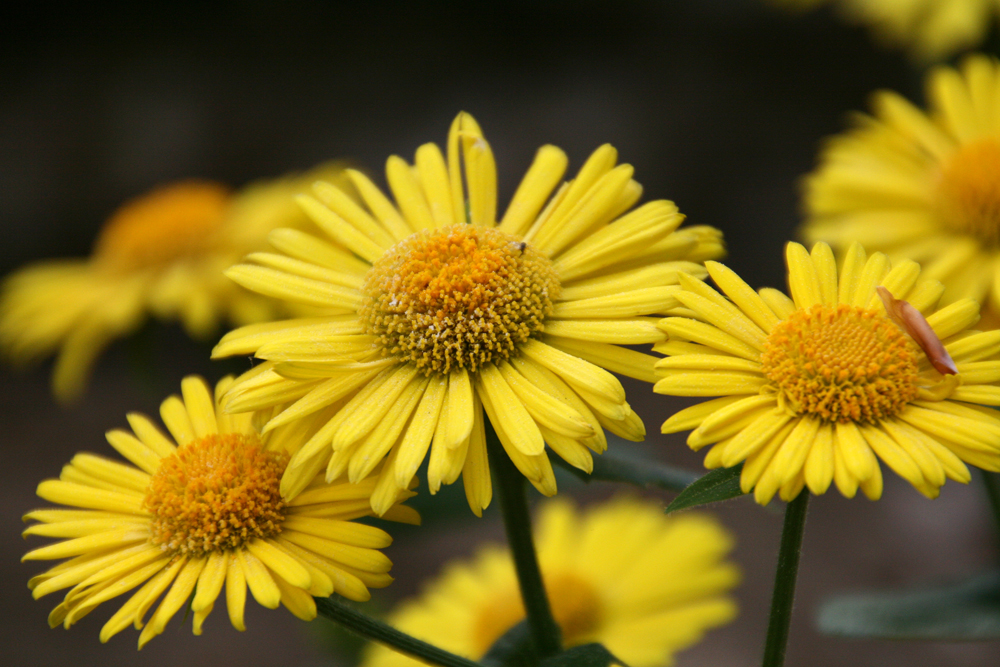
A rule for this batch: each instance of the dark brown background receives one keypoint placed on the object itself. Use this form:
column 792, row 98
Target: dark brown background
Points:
column 719, row 105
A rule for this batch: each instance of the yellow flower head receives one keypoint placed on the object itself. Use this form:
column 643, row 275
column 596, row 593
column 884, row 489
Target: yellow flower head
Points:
column 442, row 311
column 819, row 387
column 642, row 584
column 928, row 29
column 160, row 254
column 201, row 509
column 923, row 186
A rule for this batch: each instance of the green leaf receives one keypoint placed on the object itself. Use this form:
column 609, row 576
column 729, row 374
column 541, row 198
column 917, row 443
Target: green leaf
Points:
column 588, row 655
column 610, row 467
column 718, row 484
column 512, row 649
column 964, row 611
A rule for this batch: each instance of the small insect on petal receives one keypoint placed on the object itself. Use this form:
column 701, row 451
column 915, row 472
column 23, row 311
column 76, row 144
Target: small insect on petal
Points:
column 915, row 324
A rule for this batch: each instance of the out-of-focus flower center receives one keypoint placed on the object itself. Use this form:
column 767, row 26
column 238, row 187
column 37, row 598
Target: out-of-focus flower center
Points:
column 215, row 493
column 457, row 297
column 162, row 226
column 969, row 191
column 841, row 363
column 576, row 608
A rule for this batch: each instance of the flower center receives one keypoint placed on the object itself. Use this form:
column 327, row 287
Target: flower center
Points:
column 168, row 223
column 969, row 191
column 841, row 363
column 575, row 605
column 216, row 493
column 460, row 296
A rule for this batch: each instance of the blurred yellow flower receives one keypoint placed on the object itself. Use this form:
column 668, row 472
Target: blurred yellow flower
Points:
column 929, row 29
column 445, row 312
column 622, row 574
column 819, row 387
column 161, row 254
column 922, row 186
column 198, row 510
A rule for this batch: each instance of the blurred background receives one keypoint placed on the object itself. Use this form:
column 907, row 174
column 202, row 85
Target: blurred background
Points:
column 719, row 104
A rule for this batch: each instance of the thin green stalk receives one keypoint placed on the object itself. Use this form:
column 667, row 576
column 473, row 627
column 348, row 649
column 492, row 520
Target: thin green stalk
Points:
column 991, row 481
column 377, row 631
column 784, row 581
column 510, row 486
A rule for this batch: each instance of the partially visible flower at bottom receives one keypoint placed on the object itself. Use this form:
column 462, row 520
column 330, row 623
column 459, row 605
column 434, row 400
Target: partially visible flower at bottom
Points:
column 197, row 511
column 622, row 574
column 161, row 254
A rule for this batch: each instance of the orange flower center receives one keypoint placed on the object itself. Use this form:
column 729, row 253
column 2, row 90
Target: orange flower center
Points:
column 969, row 191
column 162, row 226
column 575, row 605
column 216, row 493
column 460, row 296
column 841, row 363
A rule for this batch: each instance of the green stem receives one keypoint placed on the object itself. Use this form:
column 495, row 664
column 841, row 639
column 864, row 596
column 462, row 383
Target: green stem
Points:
column 511, row 490
column 992, row 482
column 784, row 581
column 377, row 631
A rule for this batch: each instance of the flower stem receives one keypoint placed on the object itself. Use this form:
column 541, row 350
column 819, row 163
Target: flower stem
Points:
column 784, row 581
column 377, row 631
column 991, row 481
column 511, row 490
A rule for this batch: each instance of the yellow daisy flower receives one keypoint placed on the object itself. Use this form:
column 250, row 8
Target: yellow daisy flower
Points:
column 160, row 254
column 928, row 29
column 819, row 387
column 669, row 586
column 445, row 312
column 923, row 186
column 200, row 509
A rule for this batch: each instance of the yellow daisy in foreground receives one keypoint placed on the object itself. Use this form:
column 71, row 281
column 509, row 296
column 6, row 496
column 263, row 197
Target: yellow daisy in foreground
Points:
column 160, row 254
column 819, row 387
column 928, row 29
column 198, row 510
column 446, row 312
column 923, row 186
column 622, row 574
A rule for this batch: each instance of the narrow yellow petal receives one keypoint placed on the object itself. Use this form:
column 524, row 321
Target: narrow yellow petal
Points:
column 339, row 229
column 754, row 437
column 871, row 276
column 621, row 360
column 893, row 455
column 282, row 285
column 76, row 495
column 259, row 580
column 380, row 205
column 954, row 318
column 173, row 600
column 387, row 433
column 580, row 374
column 730, row 419
column 708, row 383
column 777, row 301
column 210, row 582
column 236, row 591
column 297, row 601
column 850, row 272
column 818, row 471
column 691, row 330
column 134, row 609
column 729, row 320
column 803, row 283
column 480, row 174
column 826, row 272
column 280, row 563
column 369, row 560
column 410, row 198
column 460, row 412
column 150, row 435
column 371, row 404
column 200, row 405
column 511, row 411
column 788, row 461
column 546, row 409
column 314, row 250
column 537, row 185
column 434, row 180
column 476, row 471
column 420, row 432
column 858, row 459
column 338, row 202
column 692, row 417
column 118, row 474
column 742, row 295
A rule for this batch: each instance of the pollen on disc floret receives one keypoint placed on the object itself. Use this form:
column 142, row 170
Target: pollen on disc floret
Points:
column 216, row 493
column 457, row 297
column 841, row 363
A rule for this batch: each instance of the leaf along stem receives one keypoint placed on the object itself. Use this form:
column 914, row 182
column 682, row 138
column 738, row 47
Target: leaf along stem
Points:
column 784, row 581
column 510, row 485
column 377, row 631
